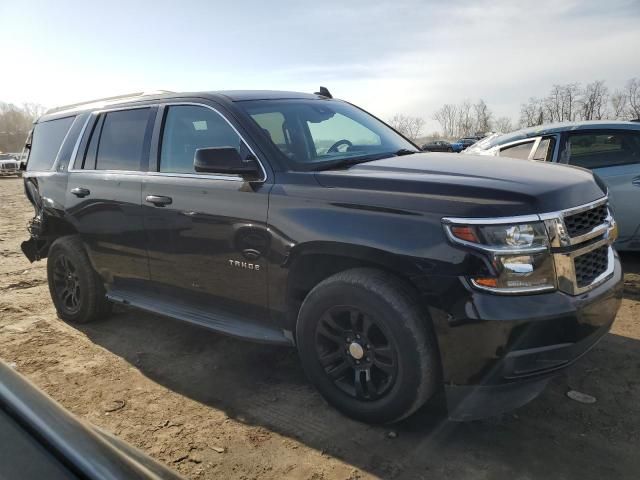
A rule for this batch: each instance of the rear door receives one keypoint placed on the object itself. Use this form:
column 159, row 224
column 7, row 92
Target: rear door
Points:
column 613, row 155
column 103, row 198
column 207, row 235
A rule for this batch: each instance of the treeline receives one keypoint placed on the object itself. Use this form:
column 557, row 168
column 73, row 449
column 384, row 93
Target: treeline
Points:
column 567, row 102
column 466, row 119
column 572, row 101
column 15, row 123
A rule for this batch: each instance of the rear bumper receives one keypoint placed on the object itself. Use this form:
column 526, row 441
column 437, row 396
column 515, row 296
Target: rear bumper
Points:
column 502, row 351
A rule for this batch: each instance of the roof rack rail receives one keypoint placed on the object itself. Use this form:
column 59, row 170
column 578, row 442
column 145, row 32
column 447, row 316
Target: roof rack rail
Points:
column 108, row 99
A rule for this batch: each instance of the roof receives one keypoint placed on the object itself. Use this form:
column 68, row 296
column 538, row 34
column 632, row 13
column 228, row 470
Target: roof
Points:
column 228, row 95
column 552, row 128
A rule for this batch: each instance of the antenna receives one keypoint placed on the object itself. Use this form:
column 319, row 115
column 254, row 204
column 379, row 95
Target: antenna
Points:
column 324, row 91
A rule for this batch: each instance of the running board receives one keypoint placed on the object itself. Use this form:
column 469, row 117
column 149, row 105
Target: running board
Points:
column 218, row 321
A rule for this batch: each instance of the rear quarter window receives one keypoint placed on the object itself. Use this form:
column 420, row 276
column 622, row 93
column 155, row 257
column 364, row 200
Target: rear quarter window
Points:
column 46, row 140
column 521, row 151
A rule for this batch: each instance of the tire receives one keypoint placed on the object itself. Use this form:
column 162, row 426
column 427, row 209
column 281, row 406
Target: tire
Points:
column 450, row 150
column 76, row 290
column 387, row 372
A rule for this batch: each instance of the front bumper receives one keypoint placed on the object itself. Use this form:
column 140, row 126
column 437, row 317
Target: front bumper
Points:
column 498, row 352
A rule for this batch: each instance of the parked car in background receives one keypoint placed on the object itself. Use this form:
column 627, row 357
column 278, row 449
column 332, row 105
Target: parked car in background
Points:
column 437, row 146
column 40, row 439
column 463, row 143
column 9, row 165
column 611, row 149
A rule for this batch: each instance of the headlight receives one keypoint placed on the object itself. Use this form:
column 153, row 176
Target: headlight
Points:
column 518, row 253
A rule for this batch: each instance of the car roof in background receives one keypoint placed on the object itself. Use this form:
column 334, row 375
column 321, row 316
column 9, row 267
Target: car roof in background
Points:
column 556, row 128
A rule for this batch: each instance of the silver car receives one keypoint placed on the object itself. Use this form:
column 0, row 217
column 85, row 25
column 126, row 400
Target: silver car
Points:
column 9, row 165
column 610, row 149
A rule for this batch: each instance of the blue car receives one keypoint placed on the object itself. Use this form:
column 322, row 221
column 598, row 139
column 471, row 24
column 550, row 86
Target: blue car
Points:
column 460, row 145
column 610, row 149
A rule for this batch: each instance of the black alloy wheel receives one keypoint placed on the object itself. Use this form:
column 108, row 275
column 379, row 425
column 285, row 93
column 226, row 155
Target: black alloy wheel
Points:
column 67, row 284
column 76, row 289
column 367, row 344
column 356, row 353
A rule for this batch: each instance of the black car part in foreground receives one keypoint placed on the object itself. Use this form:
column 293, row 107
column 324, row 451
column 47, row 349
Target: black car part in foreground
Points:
column 42, row 440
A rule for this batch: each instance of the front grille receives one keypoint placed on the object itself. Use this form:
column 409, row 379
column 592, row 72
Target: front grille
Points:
column 583, row 222
column 591, row 265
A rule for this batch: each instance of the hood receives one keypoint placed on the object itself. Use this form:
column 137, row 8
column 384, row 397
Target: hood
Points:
column 471, row 185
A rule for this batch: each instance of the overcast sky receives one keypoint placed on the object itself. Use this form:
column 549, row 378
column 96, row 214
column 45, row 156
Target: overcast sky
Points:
column 406, row 56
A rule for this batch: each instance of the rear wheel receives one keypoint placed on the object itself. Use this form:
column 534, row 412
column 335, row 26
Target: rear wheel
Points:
column 367, row 345
column 76, row 290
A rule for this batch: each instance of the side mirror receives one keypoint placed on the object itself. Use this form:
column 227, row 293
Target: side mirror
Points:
column 226, row 160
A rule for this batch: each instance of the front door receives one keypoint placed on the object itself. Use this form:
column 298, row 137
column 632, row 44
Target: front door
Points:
column 614, row 156
column 207, row 235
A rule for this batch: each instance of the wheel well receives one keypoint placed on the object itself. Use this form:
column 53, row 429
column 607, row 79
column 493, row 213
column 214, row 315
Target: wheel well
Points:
column 309, row 270
column 52, row 228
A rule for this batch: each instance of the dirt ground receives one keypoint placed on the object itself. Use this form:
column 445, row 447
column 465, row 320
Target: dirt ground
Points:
column 214, row 407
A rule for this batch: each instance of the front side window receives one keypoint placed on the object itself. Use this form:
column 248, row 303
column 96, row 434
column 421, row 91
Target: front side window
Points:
column 313, row 133
column 521, row 151
column 117, row 140
column 188, row 128
column 47, row 137
column 599, row 150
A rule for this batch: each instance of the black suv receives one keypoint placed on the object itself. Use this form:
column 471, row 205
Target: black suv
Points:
column 297, row 219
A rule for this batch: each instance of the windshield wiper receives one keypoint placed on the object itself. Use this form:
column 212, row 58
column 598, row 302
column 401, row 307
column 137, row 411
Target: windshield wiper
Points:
column 406, row 151
column 349, row 162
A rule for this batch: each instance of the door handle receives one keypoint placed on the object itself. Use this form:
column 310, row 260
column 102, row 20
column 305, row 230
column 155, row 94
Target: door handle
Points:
column 158, row 200
column 636, row 182
column 80, row 192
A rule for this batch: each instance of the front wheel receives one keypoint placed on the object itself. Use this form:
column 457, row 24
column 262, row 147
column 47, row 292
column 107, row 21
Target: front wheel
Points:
column 367, row 345
column 76, row 290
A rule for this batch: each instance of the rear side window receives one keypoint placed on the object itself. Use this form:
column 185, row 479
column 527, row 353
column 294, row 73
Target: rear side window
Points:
column 600, row 150
column 117, row 141
column 521, row 151
column 47, row 137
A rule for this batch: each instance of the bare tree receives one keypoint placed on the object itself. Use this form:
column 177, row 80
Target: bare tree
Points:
column 593, row 101
column 482, row 117
column 618, row 105
column 503, row 125
column 447, row 116
column 410, row 127
column 570, row 101
column 532, row 113
column 15, row 123
column 464, row 122
column 562, row 103
column 632, row 94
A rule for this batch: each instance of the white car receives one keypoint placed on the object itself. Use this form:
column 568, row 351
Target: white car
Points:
column 9, row 165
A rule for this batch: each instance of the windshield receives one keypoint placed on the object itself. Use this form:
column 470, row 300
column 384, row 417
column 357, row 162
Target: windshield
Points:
column 313, row 133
